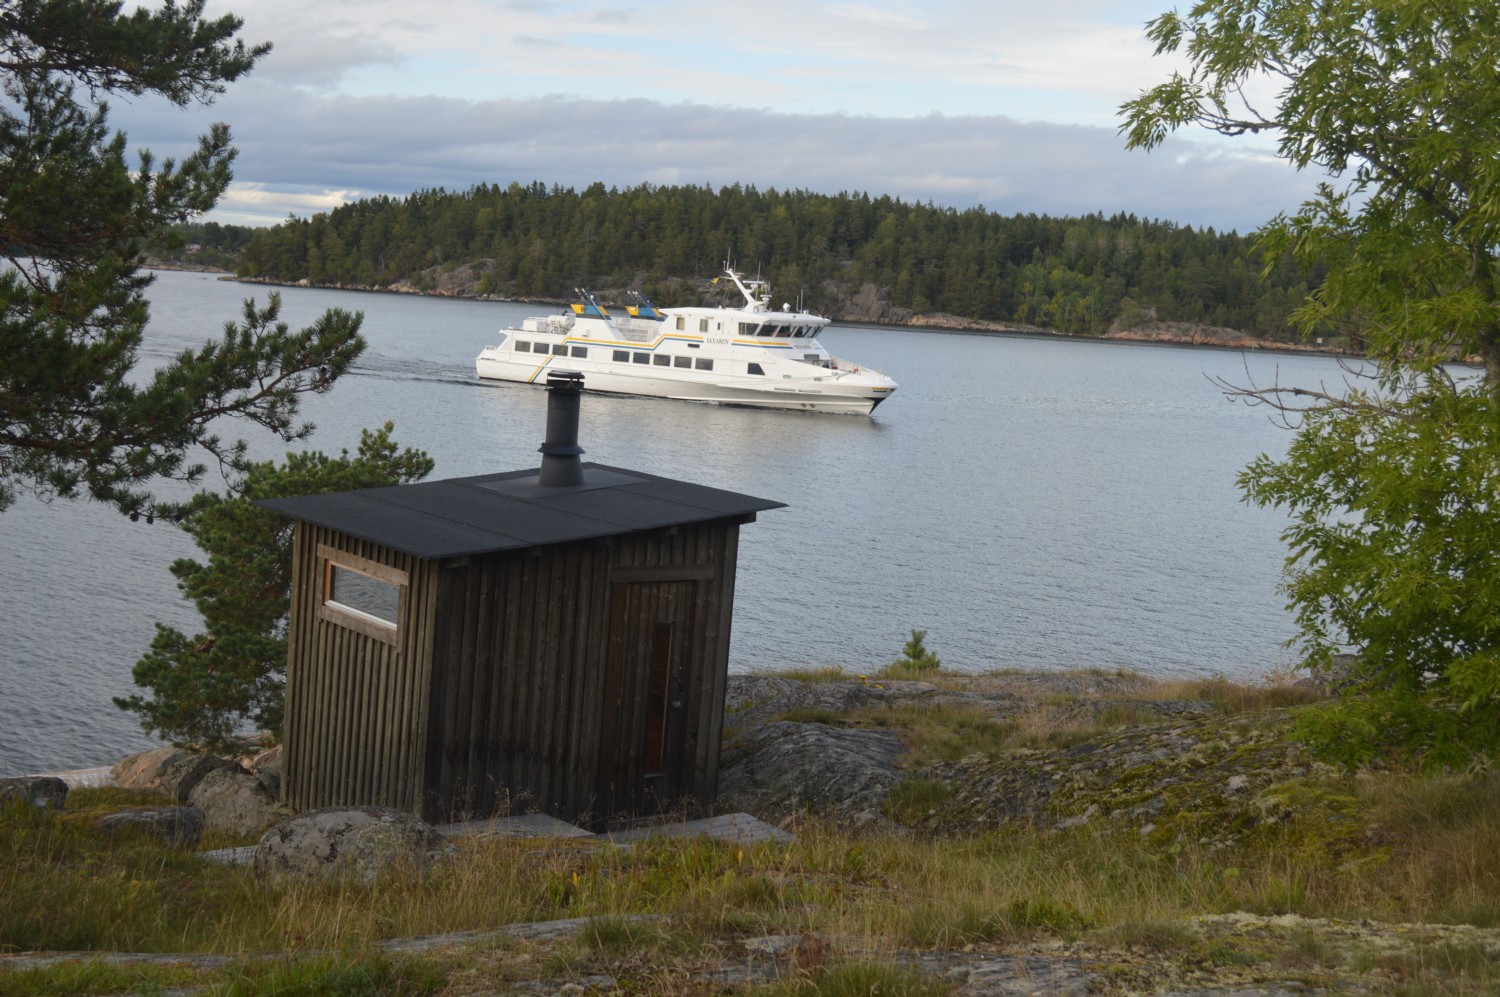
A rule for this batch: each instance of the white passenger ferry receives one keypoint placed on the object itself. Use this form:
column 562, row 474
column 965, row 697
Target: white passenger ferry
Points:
column 746, row 355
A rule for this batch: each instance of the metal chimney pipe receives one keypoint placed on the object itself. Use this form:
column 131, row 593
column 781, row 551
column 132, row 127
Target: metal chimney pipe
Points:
column 560, row 451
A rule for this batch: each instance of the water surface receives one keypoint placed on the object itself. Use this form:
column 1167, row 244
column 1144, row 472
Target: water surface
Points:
column 1031, row 502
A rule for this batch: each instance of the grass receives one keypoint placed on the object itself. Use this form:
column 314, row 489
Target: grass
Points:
column 1391, row 847
column 667, row 907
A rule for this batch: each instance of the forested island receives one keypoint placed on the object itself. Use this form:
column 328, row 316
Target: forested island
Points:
column 850, row 256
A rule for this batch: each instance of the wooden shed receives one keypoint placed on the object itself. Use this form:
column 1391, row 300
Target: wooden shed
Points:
column 552, row 639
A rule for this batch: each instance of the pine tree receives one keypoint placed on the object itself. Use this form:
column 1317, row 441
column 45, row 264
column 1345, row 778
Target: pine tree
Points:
column 77, row 418
column 206, row 689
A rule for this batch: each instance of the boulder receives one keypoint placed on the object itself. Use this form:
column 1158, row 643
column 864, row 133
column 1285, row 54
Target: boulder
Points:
column 355, row 843
column 183, row 770
column 142, row 770
column 45, row 791
column 178, row 826
column 784, row 767
column 234, row 802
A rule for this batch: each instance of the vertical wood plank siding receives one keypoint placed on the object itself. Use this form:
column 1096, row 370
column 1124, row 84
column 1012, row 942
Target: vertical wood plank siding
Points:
column 498, row 695
column 355, row 706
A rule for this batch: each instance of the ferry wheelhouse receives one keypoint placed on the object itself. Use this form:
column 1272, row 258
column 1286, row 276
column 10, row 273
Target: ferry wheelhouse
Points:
column 745, row 355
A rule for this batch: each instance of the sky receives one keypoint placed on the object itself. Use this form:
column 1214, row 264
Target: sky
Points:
column 1013, row 106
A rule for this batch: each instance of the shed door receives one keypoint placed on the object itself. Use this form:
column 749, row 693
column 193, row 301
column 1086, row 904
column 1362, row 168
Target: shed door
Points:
column 643, row 764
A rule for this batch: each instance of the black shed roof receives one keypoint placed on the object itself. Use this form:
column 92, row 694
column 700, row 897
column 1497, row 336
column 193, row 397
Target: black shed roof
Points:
column 509, row 511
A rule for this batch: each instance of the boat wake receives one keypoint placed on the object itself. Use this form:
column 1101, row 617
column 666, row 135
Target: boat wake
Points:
column 383, row 367
column 409, row 369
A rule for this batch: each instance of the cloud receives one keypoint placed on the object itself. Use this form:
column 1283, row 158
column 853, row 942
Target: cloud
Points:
column 1069, row 60
column 302, row 152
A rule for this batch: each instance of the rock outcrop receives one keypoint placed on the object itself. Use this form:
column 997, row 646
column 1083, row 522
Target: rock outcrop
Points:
column 356, row 843
column 1127, row 759
column 142, row 770
column 781, row 768
column 1204, row 781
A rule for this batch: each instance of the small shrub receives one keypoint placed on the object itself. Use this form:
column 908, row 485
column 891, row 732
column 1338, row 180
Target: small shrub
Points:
column 915, row 661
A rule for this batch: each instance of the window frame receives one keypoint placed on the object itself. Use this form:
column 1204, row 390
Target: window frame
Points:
column 351, row 617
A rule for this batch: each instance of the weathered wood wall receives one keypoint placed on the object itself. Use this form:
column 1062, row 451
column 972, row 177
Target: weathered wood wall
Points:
column 537, row 701
column 356, row 705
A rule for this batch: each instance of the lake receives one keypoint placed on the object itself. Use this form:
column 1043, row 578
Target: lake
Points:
column 1031, row 502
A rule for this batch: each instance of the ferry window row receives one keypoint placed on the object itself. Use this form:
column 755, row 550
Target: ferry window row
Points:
column 664, row 360
column 773, row 330
column 558, row 350
column 767, row 330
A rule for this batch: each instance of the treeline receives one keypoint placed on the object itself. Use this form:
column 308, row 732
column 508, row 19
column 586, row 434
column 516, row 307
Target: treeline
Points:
column 1076, row 275
column 201, row 244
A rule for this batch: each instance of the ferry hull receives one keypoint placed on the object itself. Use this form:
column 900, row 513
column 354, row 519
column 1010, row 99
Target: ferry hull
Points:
column 831, row 395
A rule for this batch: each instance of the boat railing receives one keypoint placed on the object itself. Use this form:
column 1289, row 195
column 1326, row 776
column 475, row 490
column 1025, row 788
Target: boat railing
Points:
column 840, row 366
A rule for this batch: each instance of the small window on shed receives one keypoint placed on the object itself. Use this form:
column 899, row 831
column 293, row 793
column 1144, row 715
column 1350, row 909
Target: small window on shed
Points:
column 362, row 595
